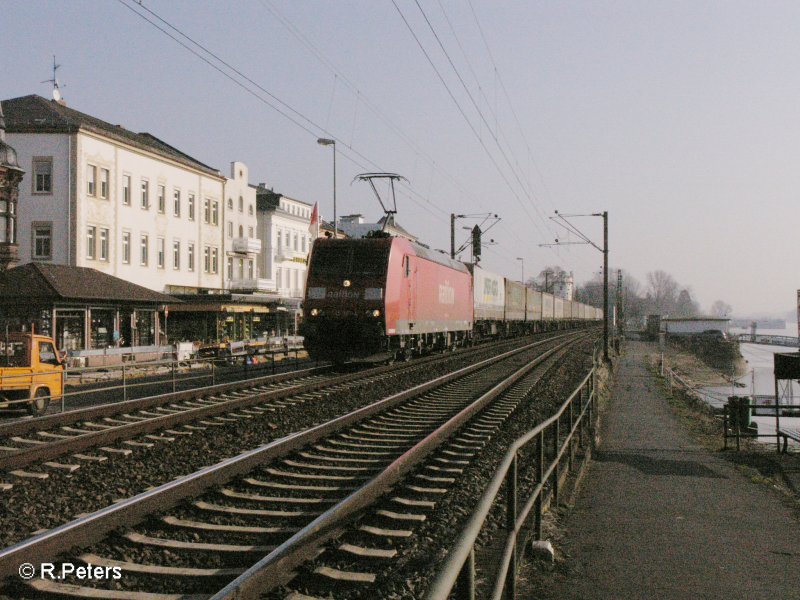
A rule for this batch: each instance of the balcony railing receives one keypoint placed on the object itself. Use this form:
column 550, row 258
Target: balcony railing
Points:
column 247, row 245
column 251, row 285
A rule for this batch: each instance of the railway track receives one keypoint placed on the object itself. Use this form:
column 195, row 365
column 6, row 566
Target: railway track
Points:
column 145, row 421
column 183, row 537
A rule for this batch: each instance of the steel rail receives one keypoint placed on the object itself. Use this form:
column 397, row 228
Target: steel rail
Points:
column 463, row 547
column 108, row 409
column 26, row 456
column 265, row 574
column 90, row 528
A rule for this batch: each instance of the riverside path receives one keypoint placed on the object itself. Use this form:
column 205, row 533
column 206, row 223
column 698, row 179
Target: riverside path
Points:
column 660, row 517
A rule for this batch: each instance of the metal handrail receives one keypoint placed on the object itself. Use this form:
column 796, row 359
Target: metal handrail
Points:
column 459, row 567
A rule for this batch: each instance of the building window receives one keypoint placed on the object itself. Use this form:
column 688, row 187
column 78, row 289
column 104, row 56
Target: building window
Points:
column 145, row 203
column 8, row 222
column 214, row 260
column 295, row 242
column 104, row 178
column 241, row 268
column 230, row 267
column 250, row 269
column 215, row 213
column 176, row 203
column 42, row 241
column 206, row 211
column 279, row 238
column 191, row 207
column 143, row 245
column 43, row 175
column 126, row 247
column 241, row 204
column 91, row 180
column 104, row 244
column 91, row 237
column 162, row 200
column 230, row 203
column 206, row 259
column 249, row 232
column 126, row 190
column 288, row 239
column 303, row 241
column 190, row 257
column 250, row 210
column 241, row 231
column 230, row 229
column 160, row 251
column 277, row 278
column 176, row 255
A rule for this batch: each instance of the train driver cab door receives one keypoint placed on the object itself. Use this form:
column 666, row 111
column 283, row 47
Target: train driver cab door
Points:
column 409, row 276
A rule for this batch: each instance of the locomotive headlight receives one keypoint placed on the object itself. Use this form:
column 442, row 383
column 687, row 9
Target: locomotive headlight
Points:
column 314, row 312
column 376, row 313
column 346, row 283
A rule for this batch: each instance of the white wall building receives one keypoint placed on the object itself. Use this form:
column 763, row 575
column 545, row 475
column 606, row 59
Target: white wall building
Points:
column 564, row 287
column 241, row 243
column 127, row 204
column 283, row 227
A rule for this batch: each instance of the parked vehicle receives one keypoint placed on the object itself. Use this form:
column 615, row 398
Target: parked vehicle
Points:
column 31, row 372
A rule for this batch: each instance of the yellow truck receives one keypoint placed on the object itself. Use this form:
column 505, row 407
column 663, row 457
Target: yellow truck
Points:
column 31, row 372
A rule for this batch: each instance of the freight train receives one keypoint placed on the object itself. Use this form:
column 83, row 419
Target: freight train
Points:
column 390, row 298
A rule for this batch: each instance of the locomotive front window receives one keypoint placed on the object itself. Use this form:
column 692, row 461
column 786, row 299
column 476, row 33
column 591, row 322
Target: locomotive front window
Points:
column 337, row 261
column 369, row 260
column 331, row 260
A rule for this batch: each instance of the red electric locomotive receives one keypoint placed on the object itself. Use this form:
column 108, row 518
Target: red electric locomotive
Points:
column 383, row 298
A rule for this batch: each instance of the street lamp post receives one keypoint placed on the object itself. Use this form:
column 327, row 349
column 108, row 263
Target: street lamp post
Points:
column 522, row 262
column 329, row 142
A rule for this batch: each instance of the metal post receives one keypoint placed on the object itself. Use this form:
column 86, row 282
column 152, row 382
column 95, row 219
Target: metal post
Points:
column 173, row 377
column 511, row 522
column 213, row 373
column 777, row 417
column 124, row 384
column 296, row 359
column 465, row 585
column 571, row 440
column 725, row 426
column 273, row 362
column 555, row 459
column 605, row 286
column 63, row 389
column 539, row 477
column 452, row 235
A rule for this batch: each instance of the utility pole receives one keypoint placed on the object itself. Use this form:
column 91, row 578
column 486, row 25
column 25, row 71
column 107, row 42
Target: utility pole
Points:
column 620, row 306
column 486, row 217
column 605, row 286
column 562, row 221
column 452, row 235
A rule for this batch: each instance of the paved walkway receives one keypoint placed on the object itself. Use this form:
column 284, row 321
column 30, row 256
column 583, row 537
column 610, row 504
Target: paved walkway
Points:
column 659, row 517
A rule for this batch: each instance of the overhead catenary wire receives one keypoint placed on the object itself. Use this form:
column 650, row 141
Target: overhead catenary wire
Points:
column 272, row 104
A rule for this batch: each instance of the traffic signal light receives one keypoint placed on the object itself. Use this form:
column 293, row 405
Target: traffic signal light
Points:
column 476, row 243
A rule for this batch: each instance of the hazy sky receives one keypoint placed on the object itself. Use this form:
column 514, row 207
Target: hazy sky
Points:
column 680, row 119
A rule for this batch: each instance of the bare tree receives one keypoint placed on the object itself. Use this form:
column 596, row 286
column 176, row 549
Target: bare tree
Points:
column 547, row 277
column 720, row 308
column 662, row 290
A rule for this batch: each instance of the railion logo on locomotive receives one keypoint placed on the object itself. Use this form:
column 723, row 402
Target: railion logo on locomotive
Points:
column 338, row 294
column 447, row 293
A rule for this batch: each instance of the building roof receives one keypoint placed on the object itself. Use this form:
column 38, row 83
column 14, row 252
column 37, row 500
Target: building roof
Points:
column 34, row 114
column 44, row 281
column 673, row 319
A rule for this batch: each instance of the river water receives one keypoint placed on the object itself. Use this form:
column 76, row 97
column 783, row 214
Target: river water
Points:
column 759, row 381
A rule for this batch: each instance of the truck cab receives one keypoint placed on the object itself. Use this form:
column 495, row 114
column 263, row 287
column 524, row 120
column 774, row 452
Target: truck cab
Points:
column 31, row 372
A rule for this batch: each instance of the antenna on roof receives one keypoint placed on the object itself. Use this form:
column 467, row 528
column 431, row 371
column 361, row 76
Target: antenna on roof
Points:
column 56, row 86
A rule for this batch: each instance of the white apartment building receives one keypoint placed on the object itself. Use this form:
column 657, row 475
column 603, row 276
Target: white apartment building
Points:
column 127, row 204
column 241, row 243
column 283, row 227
